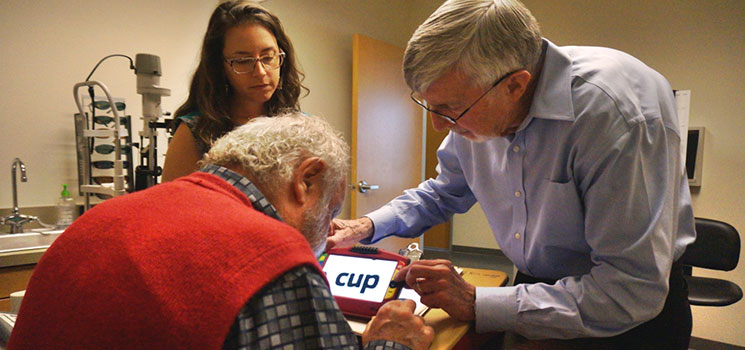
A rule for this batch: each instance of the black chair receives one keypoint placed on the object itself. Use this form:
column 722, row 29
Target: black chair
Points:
column 717, row 247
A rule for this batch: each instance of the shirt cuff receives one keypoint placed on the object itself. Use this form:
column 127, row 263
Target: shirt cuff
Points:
column 384, row 222
column 385, row 344
column 496, row 309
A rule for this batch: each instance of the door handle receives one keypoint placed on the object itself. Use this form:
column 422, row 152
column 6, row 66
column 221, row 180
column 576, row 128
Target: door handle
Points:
column 363, row 186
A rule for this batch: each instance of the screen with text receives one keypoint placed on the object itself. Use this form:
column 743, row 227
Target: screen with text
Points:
column 359, row 278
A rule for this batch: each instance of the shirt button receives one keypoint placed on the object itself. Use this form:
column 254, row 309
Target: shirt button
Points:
column 515, row 149
column 518, row 194
column 517, row 235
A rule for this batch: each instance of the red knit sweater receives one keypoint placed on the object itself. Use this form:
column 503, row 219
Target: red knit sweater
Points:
column 165, row 268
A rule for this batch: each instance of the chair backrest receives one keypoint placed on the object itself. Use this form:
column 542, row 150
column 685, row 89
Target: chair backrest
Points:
column 717, row 246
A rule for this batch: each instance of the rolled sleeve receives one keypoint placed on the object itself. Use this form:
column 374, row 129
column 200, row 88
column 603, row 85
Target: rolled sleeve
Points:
column 496, row 309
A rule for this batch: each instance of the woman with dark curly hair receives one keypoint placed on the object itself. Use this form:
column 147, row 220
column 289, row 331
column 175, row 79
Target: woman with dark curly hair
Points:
column 247, row 69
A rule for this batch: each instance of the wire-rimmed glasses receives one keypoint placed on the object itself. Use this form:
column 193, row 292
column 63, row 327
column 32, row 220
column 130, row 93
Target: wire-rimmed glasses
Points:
column 450, row 119
column 243, row 65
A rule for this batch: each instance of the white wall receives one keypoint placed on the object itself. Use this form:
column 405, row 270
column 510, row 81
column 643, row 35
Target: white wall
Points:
column 471, row 229
column 47, row 46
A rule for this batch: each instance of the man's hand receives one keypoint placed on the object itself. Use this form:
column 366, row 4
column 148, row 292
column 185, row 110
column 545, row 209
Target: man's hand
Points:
column 440, row 286
column 396, row 321
column 346, row 233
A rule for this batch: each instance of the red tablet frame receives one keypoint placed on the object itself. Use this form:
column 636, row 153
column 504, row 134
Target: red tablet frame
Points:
column 364, row 308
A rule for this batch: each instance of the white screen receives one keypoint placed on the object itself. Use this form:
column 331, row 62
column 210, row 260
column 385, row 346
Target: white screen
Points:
column 359, row 278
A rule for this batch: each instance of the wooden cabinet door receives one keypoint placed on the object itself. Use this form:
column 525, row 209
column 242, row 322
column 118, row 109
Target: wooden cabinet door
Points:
column 13, row 279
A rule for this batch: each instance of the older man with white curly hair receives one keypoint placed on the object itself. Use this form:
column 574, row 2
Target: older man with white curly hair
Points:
column 222, row 258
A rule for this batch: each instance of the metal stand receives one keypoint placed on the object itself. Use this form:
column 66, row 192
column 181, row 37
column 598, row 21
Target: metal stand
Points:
column 84, row 133
column 147, row 68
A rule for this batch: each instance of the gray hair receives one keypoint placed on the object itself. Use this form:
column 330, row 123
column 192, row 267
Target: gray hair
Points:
column 269, row 149
column 484, row 39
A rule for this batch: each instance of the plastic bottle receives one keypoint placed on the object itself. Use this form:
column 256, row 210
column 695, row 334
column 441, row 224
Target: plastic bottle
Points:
column 65, row 209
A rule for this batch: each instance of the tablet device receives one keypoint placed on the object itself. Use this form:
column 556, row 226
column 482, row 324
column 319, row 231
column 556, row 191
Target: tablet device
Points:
column 360, row 278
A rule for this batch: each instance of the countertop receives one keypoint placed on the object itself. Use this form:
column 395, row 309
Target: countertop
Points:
column 17, row 258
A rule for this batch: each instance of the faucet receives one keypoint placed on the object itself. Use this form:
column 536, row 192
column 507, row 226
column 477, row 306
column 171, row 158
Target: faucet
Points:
column 16, row 220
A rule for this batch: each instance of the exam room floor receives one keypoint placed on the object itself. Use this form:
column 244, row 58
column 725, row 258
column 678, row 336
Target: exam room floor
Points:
column 495, row 260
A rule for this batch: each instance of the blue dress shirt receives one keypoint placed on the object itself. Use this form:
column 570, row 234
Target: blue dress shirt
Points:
column 590, row 190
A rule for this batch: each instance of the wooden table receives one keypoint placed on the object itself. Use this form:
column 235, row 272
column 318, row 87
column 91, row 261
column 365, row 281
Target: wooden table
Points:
column 454, row 334
column 451, row 333
column 458, row 335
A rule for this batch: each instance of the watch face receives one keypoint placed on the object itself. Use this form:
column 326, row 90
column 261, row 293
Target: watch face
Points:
column 359, row 278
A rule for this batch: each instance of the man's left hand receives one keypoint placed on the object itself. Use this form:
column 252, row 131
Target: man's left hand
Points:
column 441, row 286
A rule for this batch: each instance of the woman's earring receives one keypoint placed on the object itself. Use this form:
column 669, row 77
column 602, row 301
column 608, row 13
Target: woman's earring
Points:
column 279, row 85
column 227, row 88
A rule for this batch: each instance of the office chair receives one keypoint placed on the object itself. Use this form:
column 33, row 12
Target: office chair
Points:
column 717, row 247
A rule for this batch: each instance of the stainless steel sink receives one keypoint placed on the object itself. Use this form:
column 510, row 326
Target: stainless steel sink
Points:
column 27, row 241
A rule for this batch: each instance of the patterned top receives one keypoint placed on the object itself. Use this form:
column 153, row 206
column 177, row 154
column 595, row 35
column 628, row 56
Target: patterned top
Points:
column 191, row 122
column 191, row 119
column 295, row 311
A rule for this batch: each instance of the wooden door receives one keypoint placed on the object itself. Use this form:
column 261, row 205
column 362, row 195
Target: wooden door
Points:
column 386, row 130
column 439, row 235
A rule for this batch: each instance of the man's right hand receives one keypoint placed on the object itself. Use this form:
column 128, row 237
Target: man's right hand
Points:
column 396, row 321
column 346, row 233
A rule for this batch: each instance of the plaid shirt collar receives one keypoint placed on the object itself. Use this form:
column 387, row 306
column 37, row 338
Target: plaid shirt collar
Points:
column 258, row 201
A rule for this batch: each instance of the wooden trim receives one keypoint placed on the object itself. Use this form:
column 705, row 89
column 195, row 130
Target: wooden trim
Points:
column 440, row 235
column 477, row 250
column 355, row 103
column 5, row 305
column 13, row 279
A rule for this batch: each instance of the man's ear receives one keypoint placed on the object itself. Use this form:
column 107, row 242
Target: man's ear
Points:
column 307, row 179
column 517, row 84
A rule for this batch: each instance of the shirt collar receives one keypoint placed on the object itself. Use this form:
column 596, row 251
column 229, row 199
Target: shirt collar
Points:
column 553, row 94
column 258, row 201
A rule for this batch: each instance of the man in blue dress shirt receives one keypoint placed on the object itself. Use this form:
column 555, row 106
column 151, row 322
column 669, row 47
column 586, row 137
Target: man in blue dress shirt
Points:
column 574, row 155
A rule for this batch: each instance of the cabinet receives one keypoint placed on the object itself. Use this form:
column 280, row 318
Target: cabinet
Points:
column 13, row 279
